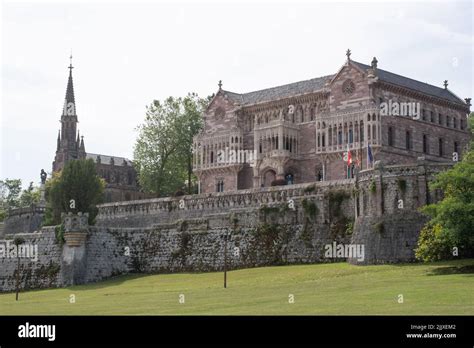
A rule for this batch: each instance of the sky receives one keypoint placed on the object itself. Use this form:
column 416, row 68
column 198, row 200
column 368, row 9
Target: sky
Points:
column 126, row 54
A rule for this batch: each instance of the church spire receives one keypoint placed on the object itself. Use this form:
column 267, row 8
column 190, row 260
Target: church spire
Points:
column 70, row 102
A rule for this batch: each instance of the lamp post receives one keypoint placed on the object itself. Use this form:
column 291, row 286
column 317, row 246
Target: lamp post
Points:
column 17, row 241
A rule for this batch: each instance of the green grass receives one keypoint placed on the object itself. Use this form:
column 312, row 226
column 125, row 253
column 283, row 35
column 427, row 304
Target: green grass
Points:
column 337, row 288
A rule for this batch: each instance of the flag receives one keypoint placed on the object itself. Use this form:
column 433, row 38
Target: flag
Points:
column 358, row 161
column 370, row 157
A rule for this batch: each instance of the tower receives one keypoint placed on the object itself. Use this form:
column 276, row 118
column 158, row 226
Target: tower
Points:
column 69, row 144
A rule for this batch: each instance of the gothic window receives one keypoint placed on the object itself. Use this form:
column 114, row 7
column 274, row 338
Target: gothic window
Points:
column 313, row 112
column 440, row 119
column 423, row 114
column 455, row 122
column 408, row 140
column 440, row 147
column 456, row 146
column 390, row 136
column 220, row 185
column 348, row 87
column 212, row 156
column 323, row 140
column 351, row 137
column 219, row 112
column 361, row 132
column 448, row 121
column 432, row 116
column 339, row 137
column 425, row 143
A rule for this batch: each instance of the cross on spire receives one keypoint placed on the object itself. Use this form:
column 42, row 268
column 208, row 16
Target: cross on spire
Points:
column 348, row 54
column 220, row 84
column 70, row 63
column 445, row 84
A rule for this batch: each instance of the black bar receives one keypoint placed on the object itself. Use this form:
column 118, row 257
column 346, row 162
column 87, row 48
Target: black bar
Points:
column 195, row 330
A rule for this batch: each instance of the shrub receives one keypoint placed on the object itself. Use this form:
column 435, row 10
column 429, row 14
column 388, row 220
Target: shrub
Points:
column 434, row 244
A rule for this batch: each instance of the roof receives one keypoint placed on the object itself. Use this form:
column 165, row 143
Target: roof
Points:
column 105, row 159
column 313, row 85
column 413, row 84
column 279, row 92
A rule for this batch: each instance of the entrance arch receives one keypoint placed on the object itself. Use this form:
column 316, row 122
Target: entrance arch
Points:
column 268, row 177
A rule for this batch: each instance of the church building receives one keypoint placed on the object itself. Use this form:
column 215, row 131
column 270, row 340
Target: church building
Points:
column 118, row 172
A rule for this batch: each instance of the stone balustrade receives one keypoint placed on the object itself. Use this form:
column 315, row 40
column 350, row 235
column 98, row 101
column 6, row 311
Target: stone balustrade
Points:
column 196, row 205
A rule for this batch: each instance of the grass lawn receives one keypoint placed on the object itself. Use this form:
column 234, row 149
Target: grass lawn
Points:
column 337, row 288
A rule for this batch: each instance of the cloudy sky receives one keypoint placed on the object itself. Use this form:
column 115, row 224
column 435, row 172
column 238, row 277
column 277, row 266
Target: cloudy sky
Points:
column 126, row 54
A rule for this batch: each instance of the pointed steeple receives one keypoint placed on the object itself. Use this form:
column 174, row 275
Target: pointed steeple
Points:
column 82, row 149
column 69, row 139
column 69, row 101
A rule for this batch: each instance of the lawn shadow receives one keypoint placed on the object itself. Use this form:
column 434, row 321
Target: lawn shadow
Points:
column 469, row 269
column 109, row 282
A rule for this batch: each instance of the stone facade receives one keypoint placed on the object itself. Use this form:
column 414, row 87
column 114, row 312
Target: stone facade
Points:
column 300, row 132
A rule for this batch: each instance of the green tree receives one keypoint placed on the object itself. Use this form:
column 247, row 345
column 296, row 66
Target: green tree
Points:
column 452, row 219
column 77, row 188
column 30, row 196
column 10, row 190
column 163, row 150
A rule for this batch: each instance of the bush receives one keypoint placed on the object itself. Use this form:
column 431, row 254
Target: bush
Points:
column 434, row 244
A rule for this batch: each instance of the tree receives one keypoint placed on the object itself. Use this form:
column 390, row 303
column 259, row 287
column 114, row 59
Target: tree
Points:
column 77, row 188
column 163, row 150
column 30, row 196
column 10, row 190
column 12, row 197
column 452, row 219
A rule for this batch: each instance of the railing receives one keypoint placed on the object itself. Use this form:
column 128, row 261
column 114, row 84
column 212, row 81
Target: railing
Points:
column 27, row 210
column 215, row 202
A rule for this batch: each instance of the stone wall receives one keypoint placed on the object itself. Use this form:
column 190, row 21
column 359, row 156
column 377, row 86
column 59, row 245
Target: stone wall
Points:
column 24, row 220
column 41, row 272
column 268, row 226
column 388, row 221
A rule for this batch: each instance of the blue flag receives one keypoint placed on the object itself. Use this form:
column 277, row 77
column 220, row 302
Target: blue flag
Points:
column 369, row 154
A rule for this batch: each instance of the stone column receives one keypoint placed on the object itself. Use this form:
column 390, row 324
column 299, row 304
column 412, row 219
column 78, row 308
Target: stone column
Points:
column 74, row 255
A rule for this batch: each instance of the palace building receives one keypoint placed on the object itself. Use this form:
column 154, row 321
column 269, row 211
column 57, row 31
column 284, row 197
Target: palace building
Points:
column 326, row 128
column 118, row 172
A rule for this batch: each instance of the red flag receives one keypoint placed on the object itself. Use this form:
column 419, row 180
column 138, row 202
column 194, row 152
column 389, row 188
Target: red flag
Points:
column 349, row 157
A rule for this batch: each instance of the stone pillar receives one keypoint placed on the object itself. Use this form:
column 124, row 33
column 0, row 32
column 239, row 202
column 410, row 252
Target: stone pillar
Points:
column 42, row 201
column 378, row 169
column 423, row 192
column 74, row 255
